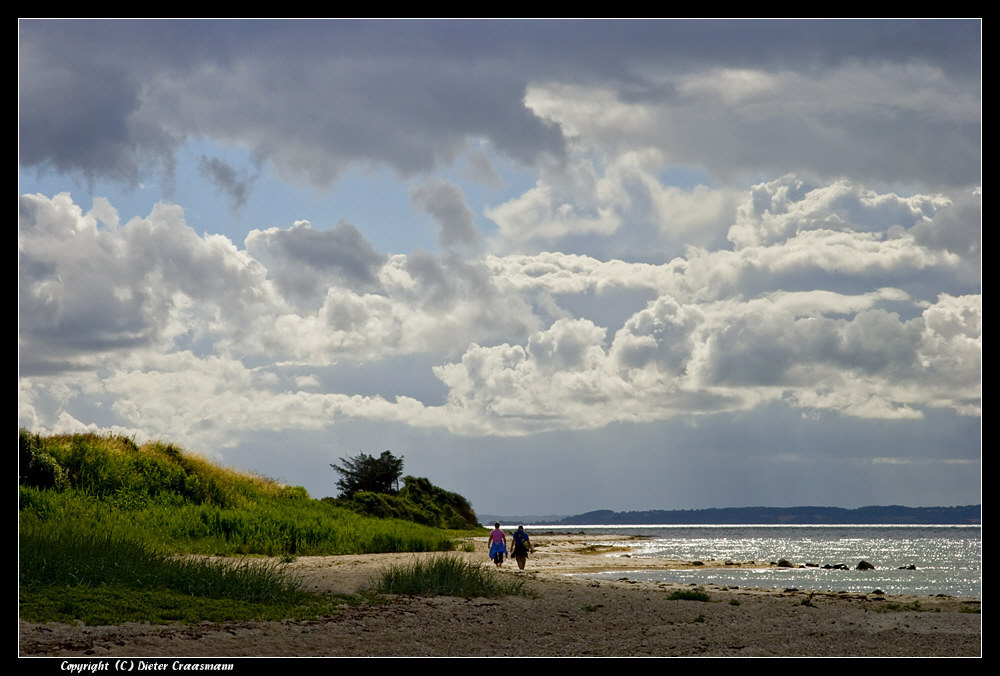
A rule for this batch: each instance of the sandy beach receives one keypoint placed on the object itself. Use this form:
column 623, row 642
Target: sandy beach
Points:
column 570, row 616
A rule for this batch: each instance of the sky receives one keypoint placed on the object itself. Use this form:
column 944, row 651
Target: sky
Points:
column 558, row 266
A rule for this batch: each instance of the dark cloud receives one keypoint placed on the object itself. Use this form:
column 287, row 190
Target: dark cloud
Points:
column 77, row 115
column 305, row 262
column 231, row 181
column 113, row 98
column 780, row 349
column 444, row 201
column 958, row 229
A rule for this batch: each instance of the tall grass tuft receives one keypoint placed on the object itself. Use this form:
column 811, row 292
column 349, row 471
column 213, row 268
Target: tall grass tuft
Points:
column 108, row 578
column 61, row 557
column 447, row 576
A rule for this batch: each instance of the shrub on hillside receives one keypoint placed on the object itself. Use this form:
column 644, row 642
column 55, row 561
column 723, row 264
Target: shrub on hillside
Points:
column 419, row 501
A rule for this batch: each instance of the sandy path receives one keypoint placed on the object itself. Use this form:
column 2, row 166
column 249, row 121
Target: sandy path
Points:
column 571, row 616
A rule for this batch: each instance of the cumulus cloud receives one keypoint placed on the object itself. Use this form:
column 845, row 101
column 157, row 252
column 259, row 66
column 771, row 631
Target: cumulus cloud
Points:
column 671, row 360
column 305, row 262
column 818, row 309
column 88, row 291
column 622, row 210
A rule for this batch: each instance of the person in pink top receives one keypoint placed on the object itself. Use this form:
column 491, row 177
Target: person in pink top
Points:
column 497, row 545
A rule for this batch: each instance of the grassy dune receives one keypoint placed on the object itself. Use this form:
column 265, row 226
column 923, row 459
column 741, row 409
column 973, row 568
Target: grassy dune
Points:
column 101, row 521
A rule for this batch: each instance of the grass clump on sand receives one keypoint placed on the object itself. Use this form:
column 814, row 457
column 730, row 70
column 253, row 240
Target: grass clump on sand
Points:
column 447, row 576
column 689, row 595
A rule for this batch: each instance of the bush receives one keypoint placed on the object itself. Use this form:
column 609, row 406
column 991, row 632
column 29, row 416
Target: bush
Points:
column 419, row 501
column 37, row 466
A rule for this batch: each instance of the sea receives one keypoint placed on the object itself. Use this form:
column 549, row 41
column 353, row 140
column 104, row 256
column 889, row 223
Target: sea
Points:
column 918, row 559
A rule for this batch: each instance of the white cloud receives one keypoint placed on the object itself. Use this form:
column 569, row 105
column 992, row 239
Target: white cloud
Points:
column 671, row 360
column 772, row 320
column 787, row 206
column 614, row 209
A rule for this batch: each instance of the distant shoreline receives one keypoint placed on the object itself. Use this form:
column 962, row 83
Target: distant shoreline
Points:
column 891, row 515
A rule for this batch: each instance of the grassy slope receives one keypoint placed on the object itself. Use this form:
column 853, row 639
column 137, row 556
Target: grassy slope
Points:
column 100, row 518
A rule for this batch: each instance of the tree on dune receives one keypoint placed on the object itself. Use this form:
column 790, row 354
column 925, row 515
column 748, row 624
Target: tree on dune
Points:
column 365, row 472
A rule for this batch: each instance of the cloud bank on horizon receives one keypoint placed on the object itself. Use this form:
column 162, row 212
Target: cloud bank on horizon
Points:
column 622, row 253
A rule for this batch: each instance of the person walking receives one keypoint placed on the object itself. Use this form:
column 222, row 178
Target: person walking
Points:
column 522, row 545
column 497, row 545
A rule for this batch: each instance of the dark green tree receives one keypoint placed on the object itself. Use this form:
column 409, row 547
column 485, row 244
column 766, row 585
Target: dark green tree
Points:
column 365, row 472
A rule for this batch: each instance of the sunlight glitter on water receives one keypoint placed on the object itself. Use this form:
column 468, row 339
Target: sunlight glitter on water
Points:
column 944, row 559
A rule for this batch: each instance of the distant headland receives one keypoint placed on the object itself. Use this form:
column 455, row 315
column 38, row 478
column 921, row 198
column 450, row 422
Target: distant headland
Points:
column 890, row 514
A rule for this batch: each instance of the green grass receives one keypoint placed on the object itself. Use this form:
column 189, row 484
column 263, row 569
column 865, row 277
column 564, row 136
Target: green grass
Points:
column 104, row 525
column 182, row 503
column 447, row 576
column 117, row 604
column 108, row 579
column 62, row 557
column 913, row 606
column 689, row 595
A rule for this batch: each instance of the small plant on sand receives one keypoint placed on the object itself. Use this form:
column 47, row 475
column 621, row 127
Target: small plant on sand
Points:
column 913, row 606
column 689, row 595
column 446, row 576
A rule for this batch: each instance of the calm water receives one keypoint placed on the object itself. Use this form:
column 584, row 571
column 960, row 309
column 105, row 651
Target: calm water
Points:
column 948, row 559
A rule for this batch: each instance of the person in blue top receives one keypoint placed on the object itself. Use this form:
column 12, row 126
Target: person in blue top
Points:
column 522, row 545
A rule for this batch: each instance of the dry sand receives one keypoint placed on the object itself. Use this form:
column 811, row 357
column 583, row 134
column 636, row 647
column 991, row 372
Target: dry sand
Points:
column 570, row 616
